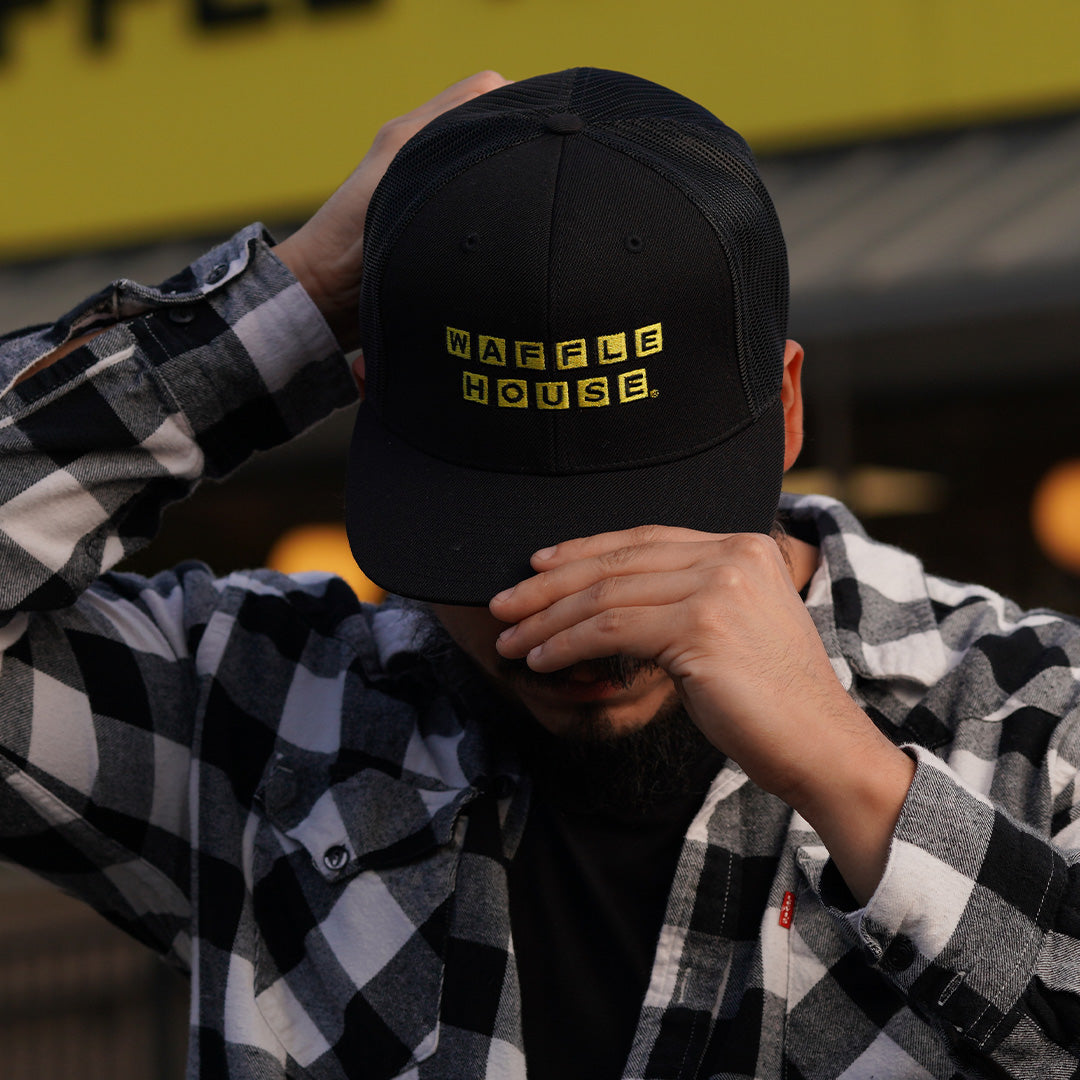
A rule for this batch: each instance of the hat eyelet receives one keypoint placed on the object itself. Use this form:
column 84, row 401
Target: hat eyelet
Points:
column 470, row 242
column 633, row 243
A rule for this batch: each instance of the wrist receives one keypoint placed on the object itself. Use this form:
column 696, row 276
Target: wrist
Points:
column 340, row 308
column 853, row 799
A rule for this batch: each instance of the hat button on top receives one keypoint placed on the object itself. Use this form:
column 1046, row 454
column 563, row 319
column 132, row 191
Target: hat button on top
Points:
column 564, row 123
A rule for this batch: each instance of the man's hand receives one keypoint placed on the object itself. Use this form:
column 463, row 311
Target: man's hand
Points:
column 722, row 616
column 326, row 254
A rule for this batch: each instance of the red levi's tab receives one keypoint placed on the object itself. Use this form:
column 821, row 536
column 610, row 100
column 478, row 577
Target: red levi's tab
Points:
column 787, row 910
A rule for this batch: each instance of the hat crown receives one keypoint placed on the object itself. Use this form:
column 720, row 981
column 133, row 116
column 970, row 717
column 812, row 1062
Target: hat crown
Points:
column 703, row 160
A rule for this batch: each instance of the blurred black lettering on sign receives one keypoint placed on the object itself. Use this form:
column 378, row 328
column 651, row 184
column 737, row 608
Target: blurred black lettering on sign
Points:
column 100, row 16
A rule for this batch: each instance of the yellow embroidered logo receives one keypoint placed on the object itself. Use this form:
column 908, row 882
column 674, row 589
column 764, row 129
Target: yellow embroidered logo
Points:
column 512, row 394
column 552, row 395
column 612, row 348
column 649, row 340
column 458, row 343
column 593, row 391
column 529, row 354
column 492, row 350
column 474, row 387
column 633, row 385
column 569, row 354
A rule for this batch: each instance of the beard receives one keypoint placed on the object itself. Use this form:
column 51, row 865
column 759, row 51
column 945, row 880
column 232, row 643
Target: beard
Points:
column 591, row 766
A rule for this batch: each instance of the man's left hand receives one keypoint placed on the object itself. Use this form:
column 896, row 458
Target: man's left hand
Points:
column 722, row 616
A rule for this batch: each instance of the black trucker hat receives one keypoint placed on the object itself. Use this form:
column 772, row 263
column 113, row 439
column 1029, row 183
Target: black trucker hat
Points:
column 573, row 318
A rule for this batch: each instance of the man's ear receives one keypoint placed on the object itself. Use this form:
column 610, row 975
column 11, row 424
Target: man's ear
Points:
column 791, row 396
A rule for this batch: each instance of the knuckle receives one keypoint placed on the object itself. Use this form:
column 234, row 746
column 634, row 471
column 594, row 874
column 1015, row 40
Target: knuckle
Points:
column 487, row 80
column 609, row 620
column 550, row 583
column 647, row 534
column 729, row 577
column 619, row 557
column 758, row 547
column 602, row 591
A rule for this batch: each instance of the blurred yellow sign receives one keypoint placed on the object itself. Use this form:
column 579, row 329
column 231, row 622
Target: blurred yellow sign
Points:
column 125, row 120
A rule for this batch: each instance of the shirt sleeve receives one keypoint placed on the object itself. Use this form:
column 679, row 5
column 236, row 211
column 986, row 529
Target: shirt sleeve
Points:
column 977, row 920
column 229, row 357
column 99, row 687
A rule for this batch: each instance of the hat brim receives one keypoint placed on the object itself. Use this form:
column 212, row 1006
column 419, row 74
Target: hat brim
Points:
column 435, row 531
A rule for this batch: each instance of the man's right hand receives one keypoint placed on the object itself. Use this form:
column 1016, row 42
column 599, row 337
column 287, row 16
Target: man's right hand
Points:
column 326, row 254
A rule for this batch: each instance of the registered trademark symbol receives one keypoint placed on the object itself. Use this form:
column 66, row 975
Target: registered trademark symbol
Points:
column 654, row 393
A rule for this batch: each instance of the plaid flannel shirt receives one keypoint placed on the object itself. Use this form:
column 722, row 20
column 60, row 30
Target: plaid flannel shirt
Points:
column 261, row 779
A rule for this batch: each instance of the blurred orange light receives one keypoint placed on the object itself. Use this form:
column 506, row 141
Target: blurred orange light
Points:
column 322, row 547
column 1055, row 515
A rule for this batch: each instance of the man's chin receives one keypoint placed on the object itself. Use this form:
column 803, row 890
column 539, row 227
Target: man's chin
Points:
column 606, row 736
column 615, row 759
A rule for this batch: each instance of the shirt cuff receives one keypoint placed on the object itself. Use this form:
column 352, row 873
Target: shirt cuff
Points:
column 244, row 352
column 276, row 323
column 961, row 912
column 232, row 342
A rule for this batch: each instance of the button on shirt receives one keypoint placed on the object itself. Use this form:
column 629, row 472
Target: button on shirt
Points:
column 261, row 779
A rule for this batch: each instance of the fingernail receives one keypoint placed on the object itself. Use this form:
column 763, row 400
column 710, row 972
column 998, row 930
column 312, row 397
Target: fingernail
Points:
column 544, row 553
column 507, row 633
column 534, row 654
column 504, row 594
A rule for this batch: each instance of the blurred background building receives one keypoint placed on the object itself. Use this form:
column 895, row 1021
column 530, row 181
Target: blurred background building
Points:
column 924, row 156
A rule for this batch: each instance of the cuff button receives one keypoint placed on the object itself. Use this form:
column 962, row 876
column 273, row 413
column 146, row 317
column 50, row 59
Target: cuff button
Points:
column 899, row 956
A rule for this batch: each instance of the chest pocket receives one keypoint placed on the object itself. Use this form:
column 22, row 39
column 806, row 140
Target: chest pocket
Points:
column 351, row 903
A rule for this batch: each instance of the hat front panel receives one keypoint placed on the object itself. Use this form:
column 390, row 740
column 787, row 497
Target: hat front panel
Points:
column 464, row 360
column 639, row 281
column 559, row 308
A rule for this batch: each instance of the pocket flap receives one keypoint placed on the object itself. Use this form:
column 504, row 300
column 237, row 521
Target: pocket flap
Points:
column 349, row 972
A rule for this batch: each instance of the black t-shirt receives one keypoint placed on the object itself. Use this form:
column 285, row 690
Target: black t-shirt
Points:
column 588, row 892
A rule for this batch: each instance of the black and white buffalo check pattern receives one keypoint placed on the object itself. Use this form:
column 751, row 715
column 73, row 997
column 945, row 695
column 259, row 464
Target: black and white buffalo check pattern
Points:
column 263, row 781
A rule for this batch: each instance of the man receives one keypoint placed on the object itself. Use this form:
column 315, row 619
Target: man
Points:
column 655, row 775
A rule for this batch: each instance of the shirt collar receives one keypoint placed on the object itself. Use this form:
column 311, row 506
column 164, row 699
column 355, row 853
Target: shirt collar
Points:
column 869, row 601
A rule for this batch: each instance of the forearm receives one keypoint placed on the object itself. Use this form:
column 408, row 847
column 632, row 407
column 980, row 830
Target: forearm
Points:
column 854, row 796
